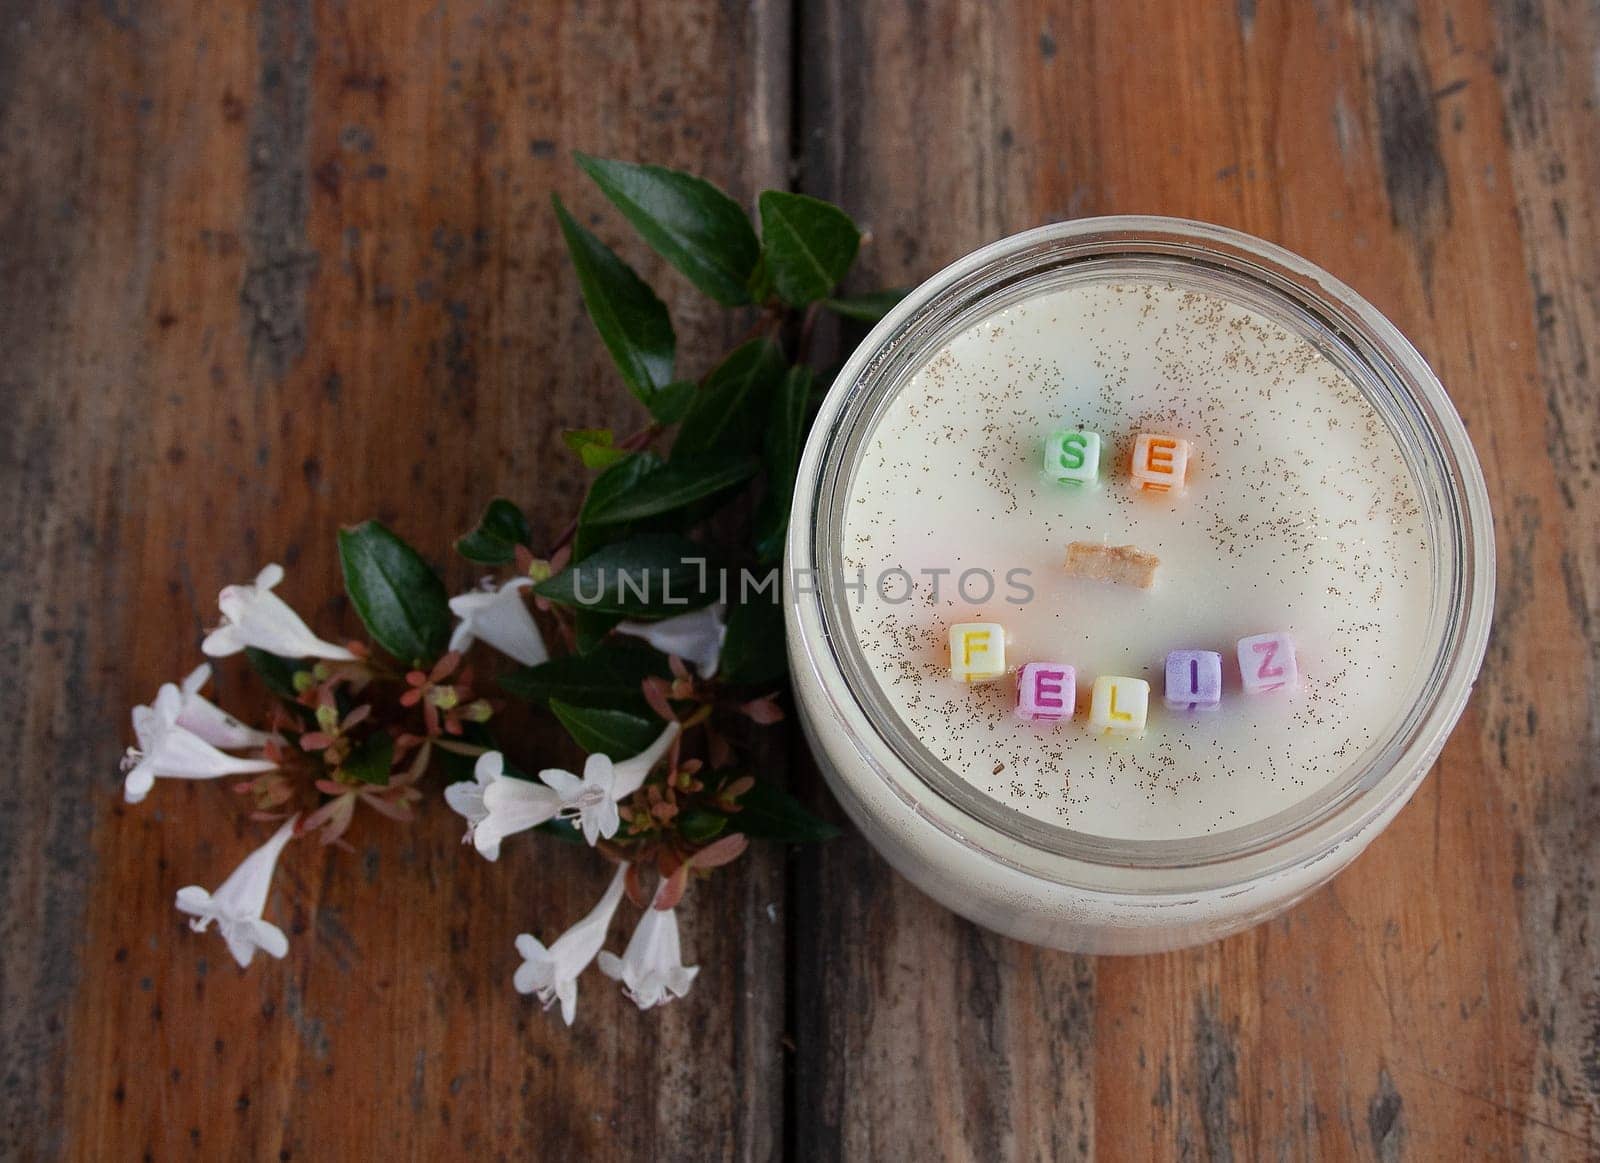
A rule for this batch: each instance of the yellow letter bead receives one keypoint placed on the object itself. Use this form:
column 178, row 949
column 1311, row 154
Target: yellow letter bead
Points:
column 977, row 651
column 1159, row 462
column 1119, row 705
column 1072, row 456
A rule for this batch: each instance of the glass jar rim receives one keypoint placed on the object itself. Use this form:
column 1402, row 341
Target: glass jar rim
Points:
column 1367, row 347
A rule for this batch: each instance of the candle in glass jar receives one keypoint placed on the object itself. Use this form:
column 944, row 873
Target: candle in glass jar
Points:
column 1118, row 457
column 1298, row 514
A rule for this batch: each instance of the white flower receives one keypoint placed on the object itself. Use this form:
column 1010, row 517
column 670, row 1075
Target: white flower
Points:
column 209, row 721
column 236, row 906
column 500, row 617
column 252, row 615
column 590, row 800
column 466, row 798
column 631, row 773
column 552, row 973
column 169, row 750
column 694, row 637
column 496, row 805
column 509, row 805
column 651, row 969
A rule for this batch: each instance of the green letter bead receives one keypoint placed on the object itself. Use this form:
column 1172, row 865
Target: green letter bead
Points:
column 1072, row 456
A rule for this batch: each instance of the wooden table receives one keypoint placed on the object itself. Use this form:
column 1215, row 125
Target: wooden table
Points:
column 269, row 268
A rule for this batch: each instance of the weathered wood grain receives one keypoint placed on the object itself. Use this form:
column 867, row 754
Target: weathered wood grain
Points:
column 271, row 268
column 1438, row 1000
column 275, row 267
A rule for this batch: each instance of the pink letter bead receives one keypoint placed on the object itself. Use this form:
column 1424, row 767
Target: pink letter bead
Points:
column 1266, row 662
column 977, row 651
column 1046, row 691
column 1118, row 706
column 1159, row 462
column 1194, row 679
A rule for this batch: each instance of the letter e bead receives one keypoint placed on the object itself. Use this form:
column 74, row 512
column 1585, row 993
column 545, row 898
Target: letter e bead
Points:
column 1046, row 691
column 1160, row 463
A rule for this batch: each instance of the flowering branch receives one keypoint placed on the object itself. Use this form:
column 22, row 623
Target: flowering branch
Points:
column 655, row 668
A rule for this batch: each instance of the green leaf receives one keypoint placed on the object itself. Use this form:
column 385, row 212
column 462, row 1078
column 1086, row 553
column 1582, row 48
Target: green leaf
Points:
column 591, row 629
column 401, row 601
column 753, row 652
column 372, row 760
column 670, row 487
column 785, row 433
column 611, row 676
column 633, row 323
column 669, row 404
column 633, row 578
column 276, row 672
column 727, row 411
column 761, row 288
column 499, row 531
column 767, row 812
column 689, row 222
column 596, row 447
column 807, row 245
column 698, row 825
column 614, row 733
column 868, row 308
column 615, row 482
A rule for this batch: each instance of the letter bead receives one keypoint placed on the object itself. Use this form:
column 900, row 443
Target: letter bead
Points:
column 1119, row 706
column 1072, row 456
column 1160, row 463
column 977, row 651
column 1267, row 663
column 1046, row 691
column 1194, row 679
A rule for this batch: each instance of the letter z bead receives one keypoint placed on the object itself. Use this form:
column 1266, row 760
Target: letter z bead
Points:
column 1267, row 662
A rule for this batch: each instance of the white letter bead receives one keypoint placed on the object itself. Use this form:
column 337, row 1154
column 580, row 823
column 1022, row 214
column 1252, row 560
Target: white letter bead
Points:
column 1266, row 663
column 977, row 651
column 1160, row 463
column 1072, row 456
column 1119, row 705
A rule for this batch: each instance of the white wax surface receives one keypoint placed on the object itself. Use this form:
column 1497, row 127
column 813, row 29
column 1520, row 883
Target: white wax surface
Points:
column 1299, row 515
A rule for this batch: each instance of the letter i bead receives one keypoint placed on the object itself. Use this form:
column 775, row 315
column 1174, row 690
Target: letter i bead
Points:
column 1119, row 706
column 1160, row 463
column 977, row 651
column 1046, row 691
column 1072, row 457
column 1266, row 662
column 1194, row 679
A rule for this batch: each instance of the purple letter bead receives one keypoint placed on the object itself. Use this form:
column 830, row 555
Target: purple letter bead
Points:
column 1194, row 679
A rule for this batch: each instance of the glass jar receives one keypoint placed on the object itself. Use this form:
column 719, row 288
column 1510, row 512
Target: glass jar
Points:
column 1068, row 889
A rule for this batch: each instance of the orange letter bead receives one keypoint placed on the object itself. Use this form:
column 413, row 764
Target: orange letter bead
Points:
column 977, row 651
column 1160, row 463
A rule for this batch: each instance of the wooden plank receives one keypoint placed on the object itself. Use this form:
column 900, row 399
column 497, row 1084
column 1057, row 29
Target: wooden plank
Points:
column 271, row 269
column 1437, row 1001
